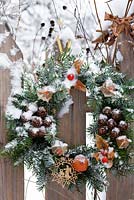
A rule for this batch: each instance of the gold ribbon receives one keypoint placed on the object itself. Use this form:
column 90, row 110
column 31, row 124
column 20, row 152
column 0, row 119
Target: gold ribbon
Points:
column 119, row 25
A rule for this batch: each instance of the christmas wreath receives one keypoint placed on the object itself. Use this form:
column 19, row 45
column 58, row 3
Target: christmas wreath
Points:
column 45, row 96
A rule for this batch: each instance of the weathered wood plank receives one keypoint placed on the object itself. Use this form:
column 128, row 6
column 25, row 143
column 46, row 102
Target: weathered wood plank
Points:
column 122, row 188
column 12, row 179
column 72, row 131
column 9, row 44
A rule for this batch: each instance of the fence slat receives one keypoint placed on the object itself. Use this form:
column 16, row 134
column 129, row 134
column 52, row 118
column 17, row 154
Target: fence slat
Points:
column 122, row 188
column 72, row 131
column 11, row 178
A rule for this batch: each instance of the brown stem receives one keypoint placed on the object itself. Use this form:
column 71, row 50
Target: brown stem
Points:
column 95, row 194
column 109, row 8
column 114, row 54
column 129, row 3
column 97, row 15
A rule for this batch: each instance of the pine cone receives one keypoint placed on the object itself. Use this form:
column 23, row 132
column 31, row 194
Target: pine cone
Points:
column 115, row 132
column 36, row 121
column 102, row 121
column 116, row 114
column 33, row 132
column 47, row 123
column 42, row 131
column 42, row 112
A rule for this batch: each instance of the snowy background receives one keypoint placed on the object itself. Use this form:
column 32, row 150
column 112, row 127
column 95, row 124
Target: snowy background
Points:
column 30, row 22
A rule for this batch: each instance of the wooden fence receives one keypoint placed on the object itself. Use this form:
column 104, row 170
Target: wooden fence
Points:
column 122, row 188
column 11, row 179
column 72, row 130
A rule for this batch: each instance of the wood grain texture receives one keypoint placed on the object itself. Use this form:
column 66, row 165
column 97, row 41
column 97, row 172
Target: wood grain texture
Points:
column 11, row 178
column 72, row 131
column 122, row 188
column 9, row 44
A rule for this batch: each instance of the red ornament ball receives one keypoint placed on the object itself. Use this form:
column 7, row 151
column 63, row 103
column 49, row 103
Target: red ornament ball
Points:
column 70, row 77
column 104, row 159
column 80, row 163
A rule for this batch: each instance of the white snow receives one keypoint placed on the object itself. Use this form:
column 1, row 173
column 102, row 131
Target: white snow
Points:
column 119, row 56
column 103, row 117
column 13, row 51
column 27, row 115
column 27, row 125
column 4, row 61
column 33, row 107
column 59, row 143
column 34, row 130
column 29, row 24
column 3, row 36
column 69, row 83
column 42, row 128
column 94, row 68
column 12, row 111
column 11, row 145
column 65, row 108
column 52, row 129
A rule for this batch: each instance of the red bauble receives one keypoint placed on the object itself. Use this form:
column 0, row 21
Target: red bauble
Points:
column 102, row 130
column 104, row 159
column 123, row 125
column 111, row 123
column 80, row 163
column 70, row 77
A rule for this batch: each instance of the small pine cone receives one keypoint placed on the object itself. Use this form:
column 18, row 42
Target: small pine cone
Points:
column 123, row 125
column 42, row 131
column 116, row 114
column 36, row 121
column 111, row 123
column 102, row 121
column 115, row 132
column 33, row 132
column 47, row 123
column 42, row 112
column 23, row 119
column 103, row 130
column 107, row 111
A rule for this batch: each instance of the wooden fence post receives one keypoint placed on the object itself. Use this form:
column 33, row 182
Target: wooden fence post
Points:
column 72, row 131
column 122, row 188
column 11, row 178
